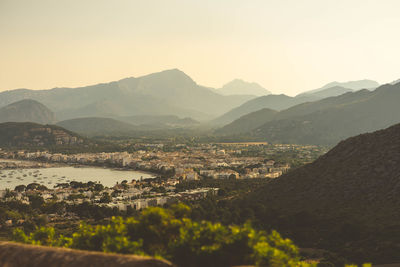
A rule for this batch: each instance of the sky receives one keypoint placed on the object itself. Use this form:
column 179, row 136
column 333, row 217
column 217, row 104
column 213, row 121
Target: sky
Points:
column 287, row 46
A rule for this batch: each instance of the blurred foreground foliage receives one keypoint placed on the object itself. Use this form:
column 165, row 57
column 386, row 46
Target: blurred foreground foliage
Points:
column 172, row 235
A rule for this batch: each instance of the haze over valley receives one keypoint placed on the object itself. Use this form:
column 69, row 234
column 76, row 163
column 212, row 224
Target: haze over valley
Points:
column 172, row 100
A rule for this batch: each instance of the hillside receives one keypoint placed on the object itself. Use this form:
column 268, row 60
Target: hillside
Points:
column 26, row 110
column 282, row 102
column 97, row 126
column 348, row 200
column 240, row 87
column 167, row 92
column 27, row 134
column 248, row 122
column 330, row 120
column 275, row 102
column 328, row 92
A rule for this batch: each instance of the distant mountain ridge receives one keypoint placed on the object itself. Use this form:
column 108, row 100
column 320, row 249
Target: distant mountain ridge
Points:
column 350, row 86
column 167, row 92
column 274, row 102
column 282, row 102
column 240, row 87
column 27, row 110
column 395, row 82
column 327, row 92
column 333, row 119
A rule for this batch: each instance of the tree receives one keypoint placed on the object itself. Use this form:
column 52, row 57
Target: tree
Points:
column 98, row 187
column 20, row 188
column 105, row 198
column 36, row 201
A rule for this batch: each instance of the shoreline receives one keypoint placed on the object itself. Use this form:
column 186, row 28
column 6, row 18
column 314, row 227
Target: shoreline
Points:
column 45, row 165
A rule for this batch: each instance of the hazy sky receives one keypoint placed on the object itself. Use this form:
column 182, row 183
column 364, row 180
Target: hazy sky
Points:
column 287, row 46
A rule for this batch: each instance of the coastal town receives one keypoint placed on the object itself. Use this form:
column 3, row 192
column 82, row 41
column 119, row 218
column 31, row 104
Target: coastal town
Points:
column 217, row 161
column 167, row 167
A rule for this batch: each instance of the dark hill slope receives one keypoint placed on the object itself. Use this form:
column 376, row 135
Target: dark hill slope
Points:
column 248, row 122
column 348, row 200
column 362, row 170
column 275, row 102
column 26, row 110
column 26, row 134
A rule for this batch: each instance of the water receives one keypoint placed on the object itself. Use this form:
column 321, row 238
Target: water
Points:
column 52, row 176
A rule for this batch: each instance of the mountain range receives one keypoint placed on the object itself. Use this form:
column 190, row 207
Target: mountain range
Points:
column 326, row 121
column 322, row 116
column 169, row 92
column 282, row 102
column 350, row 85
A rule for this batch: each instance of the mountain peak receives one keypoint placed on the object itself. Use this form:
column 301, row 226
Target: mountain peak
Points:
column 241, row 87
column 26, row 110
column 354, row 85
column 171, row 76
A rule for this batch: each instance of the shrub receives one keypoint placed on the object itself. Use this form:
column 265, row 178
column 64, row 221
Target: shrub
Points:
column 170, row 234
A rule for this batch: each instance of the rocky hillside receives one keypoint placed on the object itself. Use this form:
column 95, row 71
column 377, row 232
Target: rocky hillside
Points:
column 27, row 110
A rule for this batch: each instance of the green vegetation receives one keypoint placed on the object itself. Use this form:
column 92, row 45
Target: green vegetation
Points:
column 171, row 234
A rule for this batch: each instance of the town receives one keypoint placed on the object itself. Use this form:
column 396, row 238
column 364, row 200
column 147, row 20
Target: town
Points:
column 191, row 162
column 169, row 165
